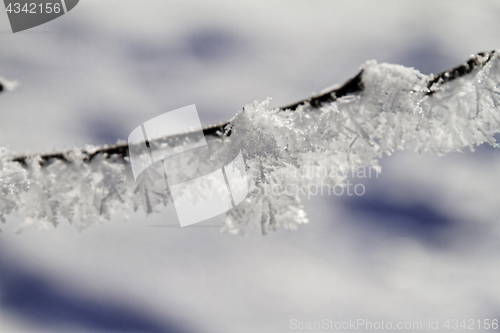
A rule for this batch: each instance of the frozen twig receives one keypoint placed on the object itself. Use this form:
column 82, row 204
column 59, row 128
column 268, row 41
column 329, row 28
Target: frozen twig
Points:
column 382, row 109
column 352, row 86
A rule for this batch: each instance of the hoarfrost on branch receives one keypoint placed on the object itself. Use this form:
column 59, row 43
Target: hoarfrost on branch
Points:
column 397, row 109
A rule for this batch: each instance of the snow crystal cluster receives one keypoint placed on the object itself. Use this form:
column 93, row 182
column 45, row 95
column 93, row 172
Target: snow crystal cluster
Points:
column 285, row 151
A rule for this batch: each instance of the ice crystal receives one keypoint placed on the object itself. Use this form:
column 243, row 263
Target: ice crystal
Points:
column 285, row 151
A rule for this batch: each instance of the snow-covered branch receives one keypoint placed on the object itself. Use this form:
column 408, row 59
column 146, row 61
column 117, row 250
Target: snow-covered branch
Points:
column 382, row 109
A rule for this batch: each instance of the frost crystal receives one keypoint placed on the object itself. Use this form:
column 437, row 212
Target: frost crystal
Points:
column 285, row 151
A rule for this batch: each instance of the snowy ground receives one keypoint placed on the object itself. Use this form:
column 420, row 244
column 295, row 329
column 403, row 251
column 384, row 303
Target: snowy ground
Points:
column 421, row 244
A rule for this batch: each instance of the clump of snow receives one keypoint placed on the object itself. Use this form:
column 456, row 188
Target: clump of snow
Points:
column 285, row 152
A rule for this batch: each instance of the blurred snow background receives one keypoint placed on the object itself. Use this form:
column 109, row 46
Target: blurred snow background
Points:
column 421, row 244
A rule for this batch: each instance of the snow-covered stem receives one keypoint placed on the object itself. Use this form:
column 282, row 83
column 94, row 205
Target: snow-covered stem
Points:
column 352, row 86
column 383, row 108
